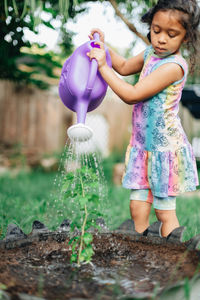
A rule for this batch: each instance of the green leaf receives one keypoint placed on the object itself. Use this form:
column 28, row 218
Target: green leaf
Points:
column 6, row 7
column 74, row 245
column 68, row 194
column 51, row 11
column 48, row 24
column 88, row 238
column 94, row 198
column 82, row 201
column 86, row 254
column 75, row 224
column 33, row 6
column 94, row 185
column 70, row 176
column 73, row 257
column 76, row 238
column 24, row 10
column 15, row 8
column 72, row 226
column 187, row 289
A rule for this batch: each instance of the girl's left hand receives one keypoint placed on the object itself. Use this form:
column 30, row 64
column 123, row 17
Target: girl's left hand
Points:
column 99, row 54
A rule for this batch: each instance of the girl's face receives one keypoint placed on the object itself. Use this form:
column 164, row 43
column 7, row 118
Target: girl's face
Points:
column 167, row 33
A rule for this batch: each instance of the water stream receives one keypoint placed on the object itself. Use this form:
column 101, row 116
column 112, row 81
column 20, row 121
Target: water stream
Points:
column 84, row 163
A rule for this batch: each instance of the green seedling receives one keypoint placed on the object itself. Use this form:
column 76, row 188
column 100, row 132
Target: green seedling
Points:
column 82, row 187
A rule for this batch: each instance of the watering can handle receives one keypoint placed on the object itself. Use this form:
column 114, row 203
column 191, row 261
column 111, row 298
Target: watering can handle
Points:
column 93, row 69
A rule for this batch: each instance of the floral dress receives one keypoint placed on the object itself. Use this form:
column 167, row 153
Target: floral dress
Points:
column 159, row 156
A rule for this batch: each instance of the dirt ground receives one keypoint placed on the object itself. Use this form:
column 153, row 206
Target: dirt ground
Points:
column 120, row 266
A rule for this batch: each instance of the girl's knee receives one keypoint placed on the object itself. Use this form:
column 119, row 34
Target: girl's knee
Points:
column 165, row 215
column 139, row 209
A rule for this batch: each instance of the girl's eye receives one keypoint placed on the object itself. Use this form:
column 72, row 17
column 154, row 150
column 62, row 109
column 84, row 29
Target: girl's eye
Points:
column 156, row 29
column 172, row 34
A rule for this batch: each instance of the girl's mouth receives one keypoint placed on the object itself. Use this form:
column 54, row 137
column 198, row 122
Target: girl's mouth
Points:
column 160, row 50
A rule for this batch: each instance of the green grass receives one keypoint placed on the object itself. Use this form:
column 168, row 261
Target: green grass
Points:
column 24, row 198
column 28, row 196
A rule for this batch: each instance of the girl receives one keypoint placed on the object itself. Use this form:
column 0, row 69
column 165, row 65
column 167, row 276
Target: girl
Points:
column 159, row 161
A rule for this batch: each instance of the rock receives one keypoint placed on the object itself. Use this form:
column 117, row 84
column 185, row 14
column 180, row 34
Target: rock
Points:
column 65, row 225
column 38, row 228
column 14, row 233
column 101, row 223
column 127, row 225
column 193, row 243
column 38, row 225
column 176, row 235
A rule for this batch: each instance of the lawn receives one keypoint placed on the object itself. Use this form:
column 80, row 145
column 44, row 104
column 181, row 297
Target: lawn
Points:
column 30, row 196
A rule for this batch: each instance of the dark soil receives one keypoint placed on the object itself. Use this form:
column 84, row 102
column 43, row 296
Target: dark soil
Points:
column 120, row 266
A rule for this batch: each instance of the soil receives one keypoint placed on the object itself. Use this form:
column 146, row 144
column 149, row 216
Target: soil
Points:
column 120, row 266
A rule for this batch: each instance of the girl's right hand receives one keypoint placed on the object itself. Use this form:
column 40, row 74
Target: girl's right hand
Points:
column 101, row 34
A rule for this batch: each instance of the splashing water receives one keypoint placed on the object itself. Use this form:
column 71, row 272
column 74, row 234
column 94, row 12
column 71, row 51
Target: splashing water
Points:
column 80, row 168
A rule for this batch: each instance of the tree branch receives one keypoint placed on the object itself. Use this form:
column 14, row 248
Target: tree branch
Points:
column 126, row 21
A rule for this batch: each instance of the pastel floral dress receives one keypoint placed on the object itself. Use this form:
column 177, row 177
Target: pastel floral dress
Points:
column 159, row 156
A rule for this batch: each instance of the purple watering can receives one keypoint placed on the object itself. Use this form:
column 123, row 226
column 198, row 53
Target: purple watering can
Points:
column 82, row 88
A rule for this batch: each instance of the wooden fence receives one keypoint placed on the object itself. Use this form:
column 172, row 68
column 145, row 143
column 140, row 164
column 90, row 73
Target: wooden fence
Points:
column 32, row 118
column 38, row 119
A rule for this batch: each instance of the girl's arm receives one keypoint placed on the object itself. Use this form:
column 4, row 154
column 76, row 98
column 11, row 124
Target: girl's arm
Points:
column 143, row 89
column 120, row 64
column 146, row 88
column 127, row 66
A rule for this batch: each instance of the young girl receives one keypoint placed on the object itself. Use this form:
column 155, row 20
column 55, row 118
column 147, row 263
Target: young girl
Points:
column 159, row 161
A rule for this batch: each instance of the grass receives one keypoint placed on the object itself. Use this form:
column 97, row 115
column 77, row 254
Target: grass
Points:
column 24, row 198
column 27, row 196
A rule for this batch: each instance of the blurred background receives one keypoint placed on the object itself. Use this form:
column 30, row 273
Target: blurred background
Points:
column 37, row 36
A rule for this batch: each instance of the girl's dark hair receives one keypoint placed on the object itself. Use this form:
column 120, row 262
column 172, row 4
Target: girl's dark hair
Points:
column 190, row 19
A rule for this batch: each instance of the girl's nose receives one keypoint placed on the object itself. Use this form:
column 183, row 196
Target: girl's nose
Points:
column 162, row 39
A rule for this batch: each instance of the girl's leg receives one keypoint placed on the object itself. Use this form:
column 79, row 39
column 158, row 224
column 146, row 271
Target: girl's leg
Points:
column 165, row 209
column 140, row 207
column 169, row 221
column 140, row 211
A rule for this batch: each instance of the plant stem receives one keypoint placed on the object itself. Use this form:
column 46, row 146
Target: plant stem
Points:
column 83, row 226
column 82, row 233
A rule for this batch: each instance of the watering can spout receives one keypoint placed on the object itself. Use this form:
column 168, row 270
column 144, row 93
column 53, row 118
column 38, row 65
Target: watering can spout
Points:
column 81, row 111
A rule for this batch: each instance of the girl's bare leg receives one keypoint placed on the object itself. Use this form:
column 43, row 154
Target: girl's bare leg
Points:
column 140, row 211
column 169, row 221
